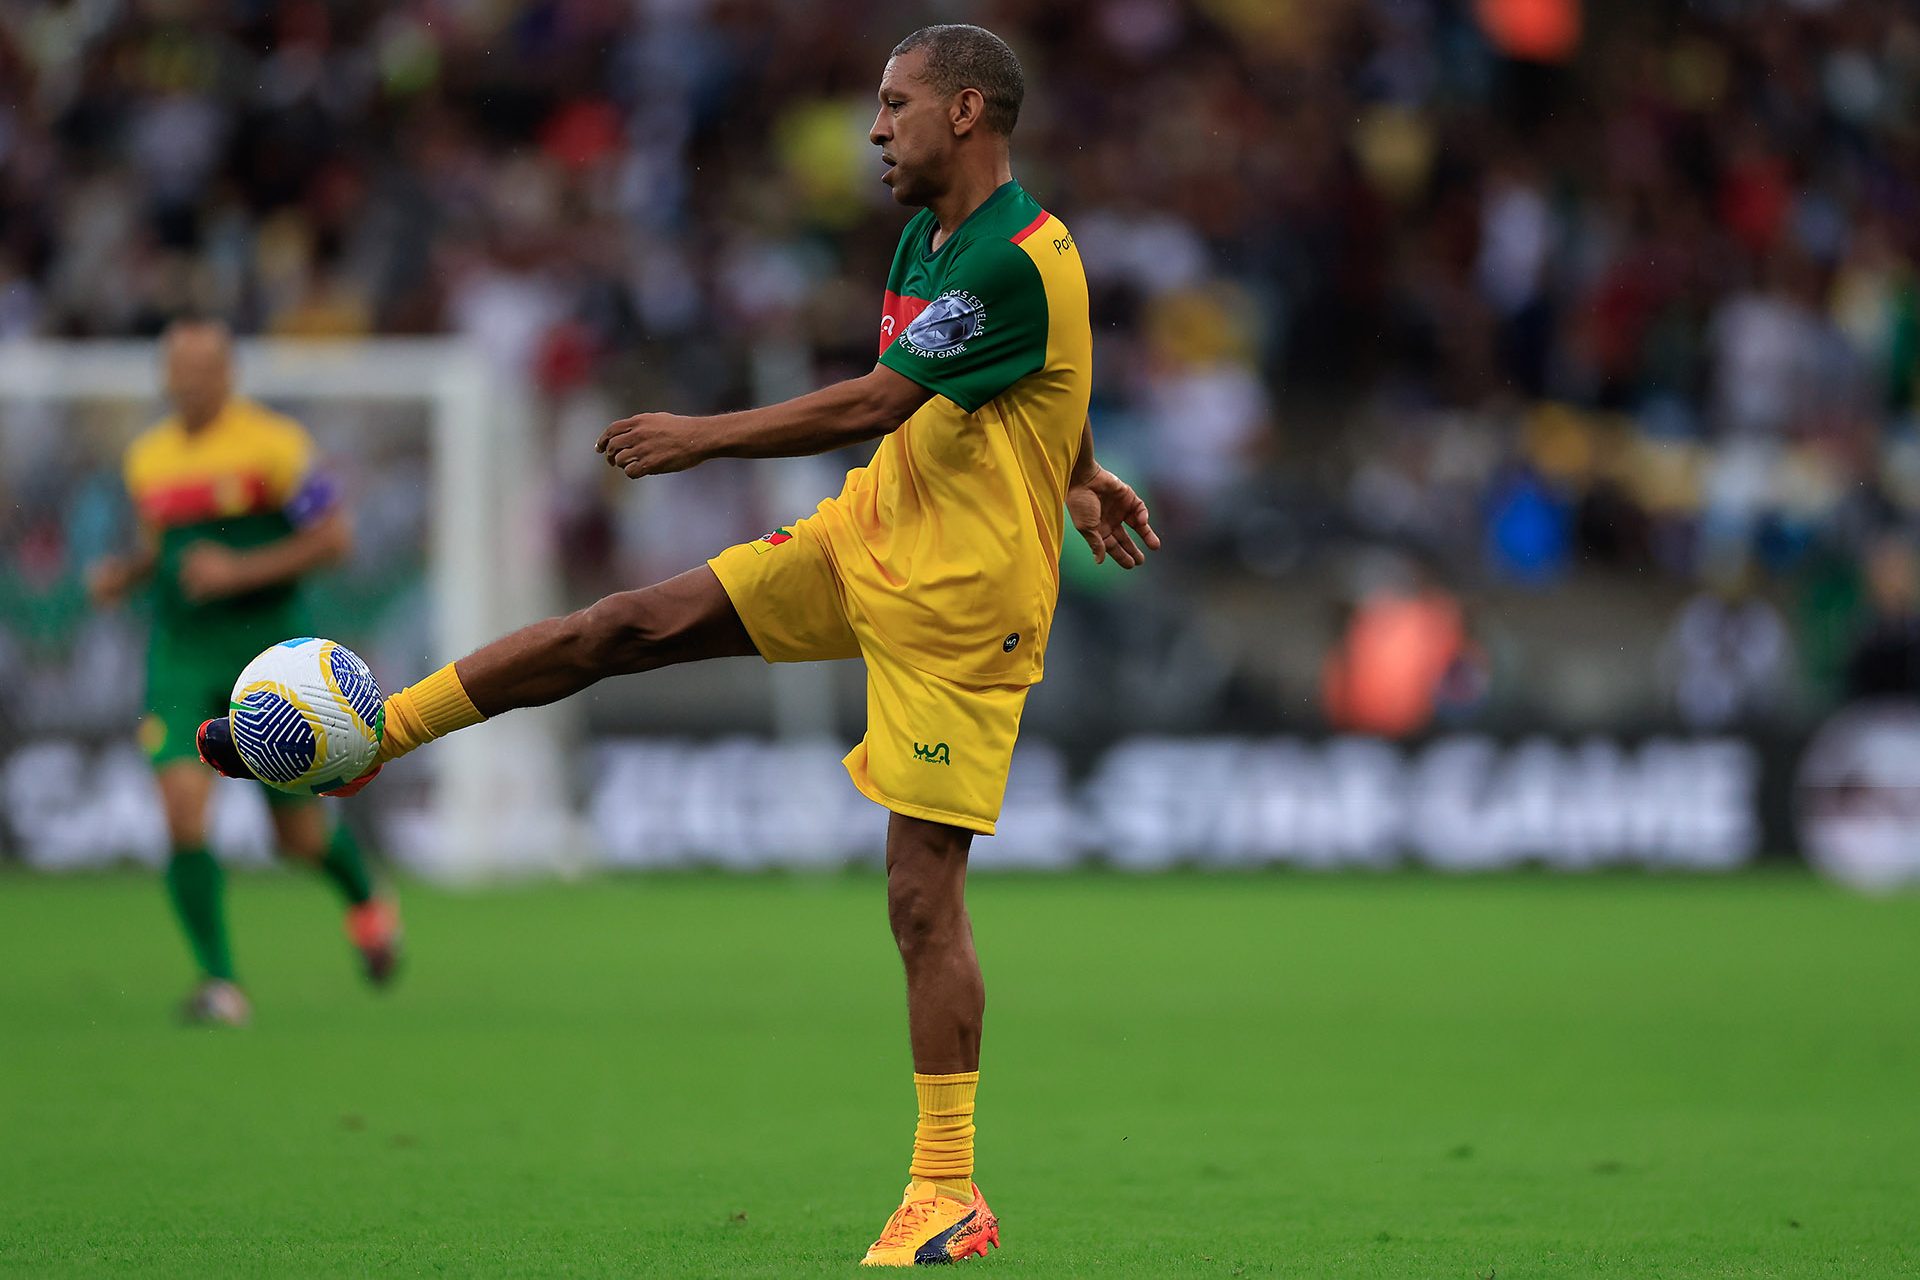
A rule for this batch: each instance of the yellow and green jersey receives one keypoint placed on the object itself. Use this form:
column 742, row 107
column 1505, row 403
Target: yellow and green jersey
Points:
column 947, row 544
column 245, row 479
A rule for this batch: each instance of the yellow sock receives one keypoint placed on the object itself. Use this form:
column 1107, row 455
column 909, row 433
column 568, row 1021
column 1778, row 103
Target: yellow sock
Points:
column 422, row 712
column 943, row 1140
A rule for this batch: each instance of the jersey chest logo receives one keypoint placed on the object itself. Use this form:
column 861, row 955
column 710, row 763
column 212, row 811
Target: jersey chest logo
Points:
column 896, row 314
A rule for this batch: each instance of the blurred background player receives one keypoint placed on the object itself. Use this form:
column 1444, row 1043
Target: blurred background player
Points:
column 233, row 514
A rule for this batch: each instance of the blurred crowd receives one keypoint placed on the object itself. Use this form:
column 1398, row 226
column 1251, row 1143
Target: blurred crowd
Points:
column 1526, row 289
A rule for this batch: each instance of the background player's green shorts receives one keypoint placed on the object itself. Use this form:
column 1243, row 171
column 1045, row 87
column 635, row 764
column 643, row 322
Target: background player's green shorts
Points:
column 190, row 680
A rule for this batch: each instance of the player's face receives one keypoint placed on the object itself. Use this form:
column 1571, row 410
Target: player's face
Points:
column 913, row 132
column 199, row 371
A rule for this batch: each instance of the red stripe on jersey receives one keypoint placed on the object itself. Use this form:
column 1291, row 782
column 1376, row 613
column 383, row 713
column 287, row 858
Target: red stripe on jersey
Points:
column 896, row 315
column 1031, row 227
column 191, row 501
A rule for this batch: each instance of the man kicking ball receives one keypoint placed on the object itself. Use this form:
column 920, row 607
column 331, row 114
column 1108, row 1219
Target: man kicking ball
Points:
column 937, row 563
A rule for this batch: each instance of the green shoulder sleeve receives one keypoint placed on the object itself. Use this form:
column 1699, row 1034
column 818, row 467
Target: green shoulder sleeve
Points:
column 985, row 331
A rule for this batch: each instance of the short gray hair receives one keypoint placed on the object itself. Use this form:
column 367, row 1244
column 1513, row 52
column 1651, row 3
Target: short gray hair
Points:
column 961, row 56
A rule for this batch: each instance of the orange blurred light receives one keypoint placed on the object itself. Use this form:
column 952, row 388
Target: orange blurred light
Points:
column 1531, row 30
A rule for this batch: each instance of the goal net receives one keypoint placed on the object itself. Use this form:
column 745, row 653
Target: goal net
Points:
column 437, row 456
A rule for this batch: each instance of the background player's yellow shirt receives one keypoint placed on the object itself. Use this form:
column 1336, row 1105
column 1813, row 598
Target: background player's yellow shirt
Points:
column 245, row 479
column 947, row 544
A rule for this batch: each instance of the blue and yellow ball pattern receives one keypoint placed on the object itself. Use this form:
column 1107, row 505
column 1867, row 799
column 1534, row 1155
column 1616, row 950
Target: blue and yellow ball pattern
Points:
column 307, row 716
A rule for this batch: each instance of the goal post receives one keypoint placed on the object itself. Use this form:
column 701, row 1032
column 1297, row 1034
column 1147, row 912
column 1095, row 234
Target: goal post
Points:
column 500, row 801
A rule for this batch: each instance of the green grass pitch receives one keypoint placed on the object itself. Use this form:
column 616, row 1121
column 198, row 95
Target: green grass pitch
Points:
column 1263, row 1076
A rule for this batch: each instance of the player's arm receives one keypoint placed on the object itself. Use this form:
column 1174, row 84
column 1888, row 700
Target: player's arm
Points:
column 210, row 571
column 322, row 535
column 845, row 413
column 1103, row 507
column 112, row 577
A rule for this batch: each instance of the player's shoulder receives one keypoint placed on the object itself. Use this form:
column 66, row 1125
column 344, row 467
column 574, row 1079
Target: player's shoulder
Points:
column 154, row 436
column 1021, row 236
column 251, row 415
column 988, row 253
column 1021, row 220
column 1047, row 240
column 268, row 435
column 154, row 445
column 995, row 265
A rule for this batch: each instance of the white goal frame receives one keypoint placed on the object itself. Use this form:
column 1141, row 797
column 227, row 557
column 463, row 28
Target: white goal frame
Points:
column 499, row 803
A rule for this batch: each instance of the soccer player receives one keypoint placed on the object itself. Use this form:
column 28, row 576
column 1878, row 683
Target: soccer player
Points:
column 232, row 514
column 938, row 562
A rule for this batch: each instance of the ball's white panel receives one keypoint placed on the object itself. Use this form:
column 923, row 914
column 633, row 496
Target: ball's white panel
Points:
column 306, row 715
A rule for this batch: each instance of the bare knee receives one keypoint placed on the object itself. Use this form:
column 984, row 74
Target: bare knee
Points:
column 925, row 917
column 184, row 792
column 683, row 619
column 301, row 832
column 617, row 634
column 926, row 888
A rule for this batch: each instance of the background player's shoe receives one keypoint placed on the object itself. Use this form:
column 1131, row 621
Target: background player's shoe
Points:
column 374, row 929
column 216, row 1003
column 929, row 1229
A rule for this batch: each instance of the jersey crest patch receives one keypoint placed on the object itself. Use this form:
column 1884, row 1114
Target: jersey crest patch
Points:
column 946, row 326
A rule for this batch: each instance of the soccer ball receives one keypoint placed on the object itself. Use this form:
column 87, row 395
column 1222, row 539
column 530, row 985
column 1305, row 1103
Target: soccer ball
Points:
column 307, row 716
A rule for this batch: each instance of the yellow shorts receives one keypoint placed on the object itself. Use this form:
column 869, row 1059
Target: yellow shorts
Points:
column 934, row 748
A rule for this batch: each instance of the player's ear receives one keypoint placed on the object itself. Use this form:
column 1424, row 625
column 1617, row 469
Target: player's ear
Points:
column 965, row 113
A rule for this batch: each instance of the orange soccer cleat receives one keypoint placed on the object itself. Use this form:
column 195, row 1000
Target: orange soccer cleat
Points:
column 929, row 1229
column 374, row 929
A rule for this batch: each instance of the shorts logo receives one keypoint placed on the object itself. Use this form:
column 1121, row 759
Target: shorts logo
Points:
column 950, row 321
column 1011, row 643
column 935, row 754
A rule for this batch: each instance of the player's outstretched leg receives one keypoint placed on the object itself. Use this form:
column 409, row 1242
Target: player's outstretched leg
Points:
column 942, row 1216
column 372, row 921
column 196, row 889
column 684, row 619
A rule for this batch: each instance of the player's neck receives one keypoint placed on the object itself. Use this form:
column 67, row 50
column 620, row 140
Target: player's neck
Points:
column 972, row 190
column 200, row 422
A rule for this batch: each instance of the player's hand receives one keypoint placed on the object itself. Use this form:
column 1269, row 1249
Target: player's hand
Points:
column 209, row 571
column 109, row 580
column 1103, row 510
column 652, row 444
